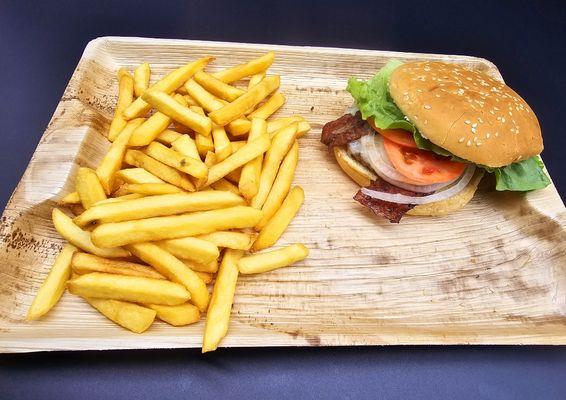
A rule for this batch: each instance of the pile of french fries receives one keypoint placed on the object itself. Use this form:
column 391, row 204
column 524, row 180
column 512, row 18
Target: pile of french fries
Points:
column 196, row 178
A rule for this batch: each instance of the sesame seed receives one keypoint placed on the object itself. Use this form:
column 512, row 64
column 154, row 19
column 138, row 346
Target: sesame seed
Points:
column 461, row 140
column 480, row 120
column 474, row 125
column 467, row 122
column 427, row 107
column 496, row 134
column 502, row 120
column 478, row 144
column 474, row 131
column 475, row 139
column 487, row 135
column 469, row 143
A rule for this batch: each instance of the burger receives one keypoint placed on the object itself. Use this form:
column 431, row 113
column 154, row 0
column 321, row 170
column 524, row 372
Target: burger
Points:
column 421, row 135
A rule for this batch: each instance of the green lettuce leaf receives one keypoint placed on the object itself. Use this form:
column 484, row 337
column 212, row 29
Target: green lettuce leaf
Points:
column 373, row 99
column 521, row 176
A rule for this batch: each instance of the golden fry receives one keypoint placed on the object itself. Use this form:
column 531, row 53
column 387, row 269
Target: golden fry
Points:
column 249, row 179
column 255, row 79
column 187, row 147
column 239, row 158
column 168, row 156
column 190, row 248
column 82, row 239
column 270, row 260
column 157, row 206
column 173, row 227
column 281, row 185
column 217, row 87
column 302, row 128
column 136, row 289
column 169, row 106
column 234, row 176
column 149, row 130
column 128, row 315
column 209, row 161
column 205, row 276
column 272, row 104
column 229, row 239
column 71, row 198
column 218, row 315
column 112, row 161
column 250, row 68
column 222, row 145
column 174, row 269
column 151, row 189
column 181, row 315
column 239, row 127
column 282, row 143
column 89, row 187
column 141, row 78
column 209, row 268
column 167, row 84
column 168, row 136
column 274, row 125
column 226, row 186
column 272, row 231
column 131, row 196
column 137, row 175
column 162, row 171
column 125, row 98
column 251, row 98
column 83, row 263
column 53, row 286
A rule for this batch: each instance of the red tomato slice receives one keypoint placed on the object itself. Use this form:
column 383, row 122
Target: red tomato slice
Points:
column 421, row 165
column 398, row 136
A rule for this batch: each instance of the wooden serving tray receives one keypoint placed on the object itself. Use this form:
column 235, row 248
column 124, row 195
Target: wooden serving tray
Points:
column 495, row 272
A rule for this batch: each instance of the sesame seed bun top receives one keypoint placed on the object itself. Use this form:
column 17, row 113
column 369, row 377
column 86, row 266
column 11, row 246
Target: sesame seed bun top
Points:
column 468, row 113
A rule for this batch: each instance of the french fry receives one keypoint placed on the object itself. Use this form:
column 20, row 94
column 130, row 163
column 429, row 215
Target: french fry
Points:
column 71, row 198
column 217, row 87
column 204, row 144
column 281, row 186
column 222, row 145
column 192, row 166
column 255, row 79
column 187, row 147
column 270, row 260
column 137, row 175
column 226, row 186
column 125, row 98
column 218, row 315
column 239, row 158
column 238, row 127
column 149, row 130
column 53, row 286
column 83, row 263
column 141, row 78
column 169, row 106
column 282, row 143
column 302, row 128
column 89, row 187
column 271, row 105
column 209, row 161
column 234, row 176
column 82, row 239
column 237, row 145
column 173, row 227
column 252, row 67
column 181, row 315
column 174, row 269
column 151, row 189
column 128, row 315
column 162, row 171
column 209, row 268
column 136, row 289
column 273, row 230
column 120, row 192
column 205, row 276
column 157, row 206
column 167, row 84
column 190, row 248
column 230, row 240
column 248, row 183
column 131, row 196
column 251, row 98
column 112, row 161
column 276, row 124
column 168, row 136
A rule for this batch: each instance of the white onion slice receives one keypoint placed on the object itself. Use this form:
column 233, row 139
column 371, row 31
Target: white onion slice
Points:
column 353, row 109
column 439, row 196
column 374, row 154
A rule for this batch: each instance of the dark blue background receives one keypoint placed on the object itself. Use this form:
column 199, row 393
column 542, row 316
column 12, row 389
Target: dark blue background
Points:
column 40, row 44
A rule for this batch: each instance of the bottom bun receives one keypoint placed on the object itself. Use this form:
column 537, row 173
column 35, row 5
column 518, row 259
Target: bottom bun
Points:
column 363, row 177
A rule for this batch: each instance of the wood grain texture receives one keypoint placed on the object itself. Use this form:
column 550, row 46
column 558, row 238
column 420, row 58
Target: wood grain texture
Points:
column 495, row 272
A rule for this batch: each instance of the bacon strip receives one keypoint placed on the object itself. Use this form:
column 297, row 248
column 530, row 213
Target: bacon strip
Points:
column 344, row 130
column 392, row 211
